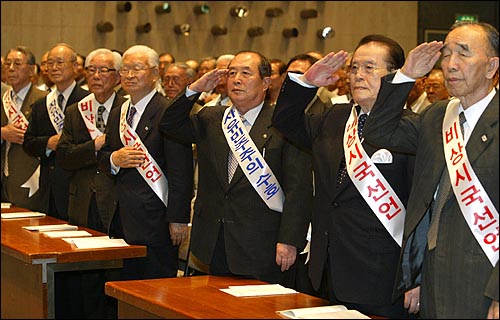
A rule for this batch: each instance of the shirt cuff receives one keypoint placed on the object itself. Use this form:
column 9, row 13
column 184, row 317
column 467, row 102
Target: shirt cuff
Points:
column 295, row 77
column 190, row 92
column 399, row 77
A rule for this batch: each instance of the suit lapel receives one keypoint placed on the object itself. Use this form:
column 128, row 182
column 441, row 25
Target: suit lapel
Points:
column 145, row 124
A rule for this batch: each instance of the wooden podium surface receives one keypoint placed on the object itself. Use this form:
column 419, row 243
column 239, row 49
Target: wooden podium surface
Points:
column 199, row 297
column 30, row 259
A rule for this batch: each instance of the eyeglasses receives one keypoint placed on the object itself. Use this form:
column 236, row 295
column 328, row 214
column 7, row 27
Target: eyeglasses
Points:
column 433, row 86
column 58, row 63
column 134, row 70
column 366, row 69
column 102, row 70
column 16, row 63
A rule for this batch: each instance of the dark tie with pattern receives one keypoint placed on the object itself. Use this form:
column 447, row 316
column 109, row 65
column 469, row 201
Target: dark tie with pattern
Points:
column 442, row 195
column 343, row 167
column 232, row 162
column 130, row 118
column 60, row 101
column 100, row 119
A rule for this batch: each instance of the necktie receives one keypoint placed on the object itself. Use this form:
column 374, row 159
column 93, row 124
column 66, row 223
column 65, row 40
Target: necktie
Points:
column 130, row 118
column 60, row 101
column 100, row 120
column 343, row 166
column 441, row 197
column 232, row 163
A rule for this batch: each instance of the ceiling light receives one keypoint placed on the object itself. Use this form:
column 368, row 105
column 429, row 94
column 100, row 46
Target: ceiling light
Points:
column 104, row 27
column 201, row 9
column 182, row 29
column 143, row 28
column 123, row 6
column 239, row 12
column 218, row 30
column 291, row 33
column 325, row 33
column 309, row 13
column 274, row 12
column 255, row 31
column 163, row 8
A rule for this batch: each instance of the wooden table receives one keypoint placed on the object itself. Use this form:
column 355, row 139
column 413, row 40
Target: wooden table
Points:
column 199, row 297
column 30, row 261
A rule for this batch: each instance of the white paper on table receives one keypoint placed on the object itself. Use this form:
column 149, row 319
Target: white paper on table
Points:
column 257, row 290
column 6, row 205
column 323, row 312
column 51, row 227
column 18, row 215
column 64, row 234
column 96, row 242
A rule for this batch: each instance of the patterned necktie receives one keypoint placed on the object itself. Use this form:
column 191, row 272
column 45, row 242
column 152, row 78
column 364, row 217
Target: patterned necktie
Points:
column 343, row 167
column 232, row 162
column 442, row 195
column 60, row 101
column 100, row 120
column 130, row 118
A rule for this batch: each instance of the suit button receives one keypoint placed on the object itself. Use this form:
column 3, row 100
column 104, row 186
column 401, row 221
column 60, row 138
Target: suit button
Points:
column 335, row 204
column 97, row 172
column 325, row 233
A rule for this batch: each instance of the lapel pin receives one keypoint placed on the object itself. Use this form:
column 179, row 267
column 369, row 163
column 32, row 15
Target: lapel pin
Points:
column 484, row 138
column 264, row 136
column 146, row 128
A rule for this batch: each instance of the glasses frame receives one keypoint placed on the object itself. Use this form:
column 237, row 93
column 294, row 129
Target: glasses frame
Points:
column 134, row 71
column 102, row 70
column 365, row 69
column 17, row 64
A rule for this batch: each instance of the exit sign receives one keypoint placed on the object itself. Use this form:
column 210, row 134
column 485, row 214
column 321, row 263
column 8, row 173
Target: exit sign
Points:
column 466, row 17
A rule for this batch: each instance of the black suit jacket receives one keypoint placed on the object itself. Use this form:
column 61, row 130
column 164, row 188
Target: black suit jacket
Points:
column 363, row 256
column 143, row 215
column 251, row 229
column 459, row 275
column 76, row 153
column 54, row 180
column 21, row 164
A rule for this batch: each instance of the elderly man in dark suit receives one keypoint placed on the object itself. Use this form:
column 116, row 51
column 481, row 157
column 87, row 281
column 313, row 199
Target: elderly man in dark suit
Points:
column 451, row 228
column 154, row 176
column 253, row 221
column 360, row 189
column 19, row 170
column 45, row 127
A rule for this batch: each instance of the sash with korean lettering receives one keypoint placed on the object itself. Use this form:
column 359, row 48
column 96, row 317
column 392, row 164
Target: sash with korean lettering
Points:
column 56, row 115
column 17, row 118
column 370, row 182
column 86, row 108
column 150, row 171
column 475, row 204
column 251, row 161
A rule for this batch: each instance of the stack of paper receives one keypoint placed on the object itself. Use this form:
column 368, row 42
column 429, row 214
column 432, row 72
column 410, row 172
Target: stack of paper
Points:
column 96, row 242
column 325, row 312
column 257, row 290
column 6, row 205
column 51, row 227
column 67, row 234
column 17, row 215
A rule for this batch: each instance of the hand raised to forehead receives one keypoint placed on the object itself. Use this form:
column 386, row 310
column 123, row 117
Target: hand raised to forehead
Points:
column 323, row 72
column 208, row 81
column 422, row 59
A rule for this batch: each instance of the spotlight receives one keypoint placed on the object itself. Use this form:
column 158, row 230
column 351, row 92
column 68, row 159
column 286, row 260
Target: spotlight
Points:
column 291, row 33
column 123, row 6
column 201, row 9
column 239, row 12
column 218, row 30
column 255, row 31
column 182, row 29
column 325, row 33
column 274, row 12
column 104, row 27
column 163, row 8
column 309, row 13
column 143, row 28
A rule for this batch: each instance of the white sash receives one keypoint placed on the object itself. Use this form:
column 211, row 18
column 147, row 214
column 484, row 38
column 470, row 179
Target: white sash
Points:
column 13, row 113
column 475, row 204
column 251, row 161
column 56, row 115
column 150, row 171
column 86, row 108
column 16, row 117
column 370, row 182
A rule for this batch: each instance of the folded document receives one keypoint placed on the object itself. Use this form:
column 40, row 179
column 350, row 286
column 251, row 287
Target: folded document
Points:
column 18, row 215
column 257, row 290
column 324, row 312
